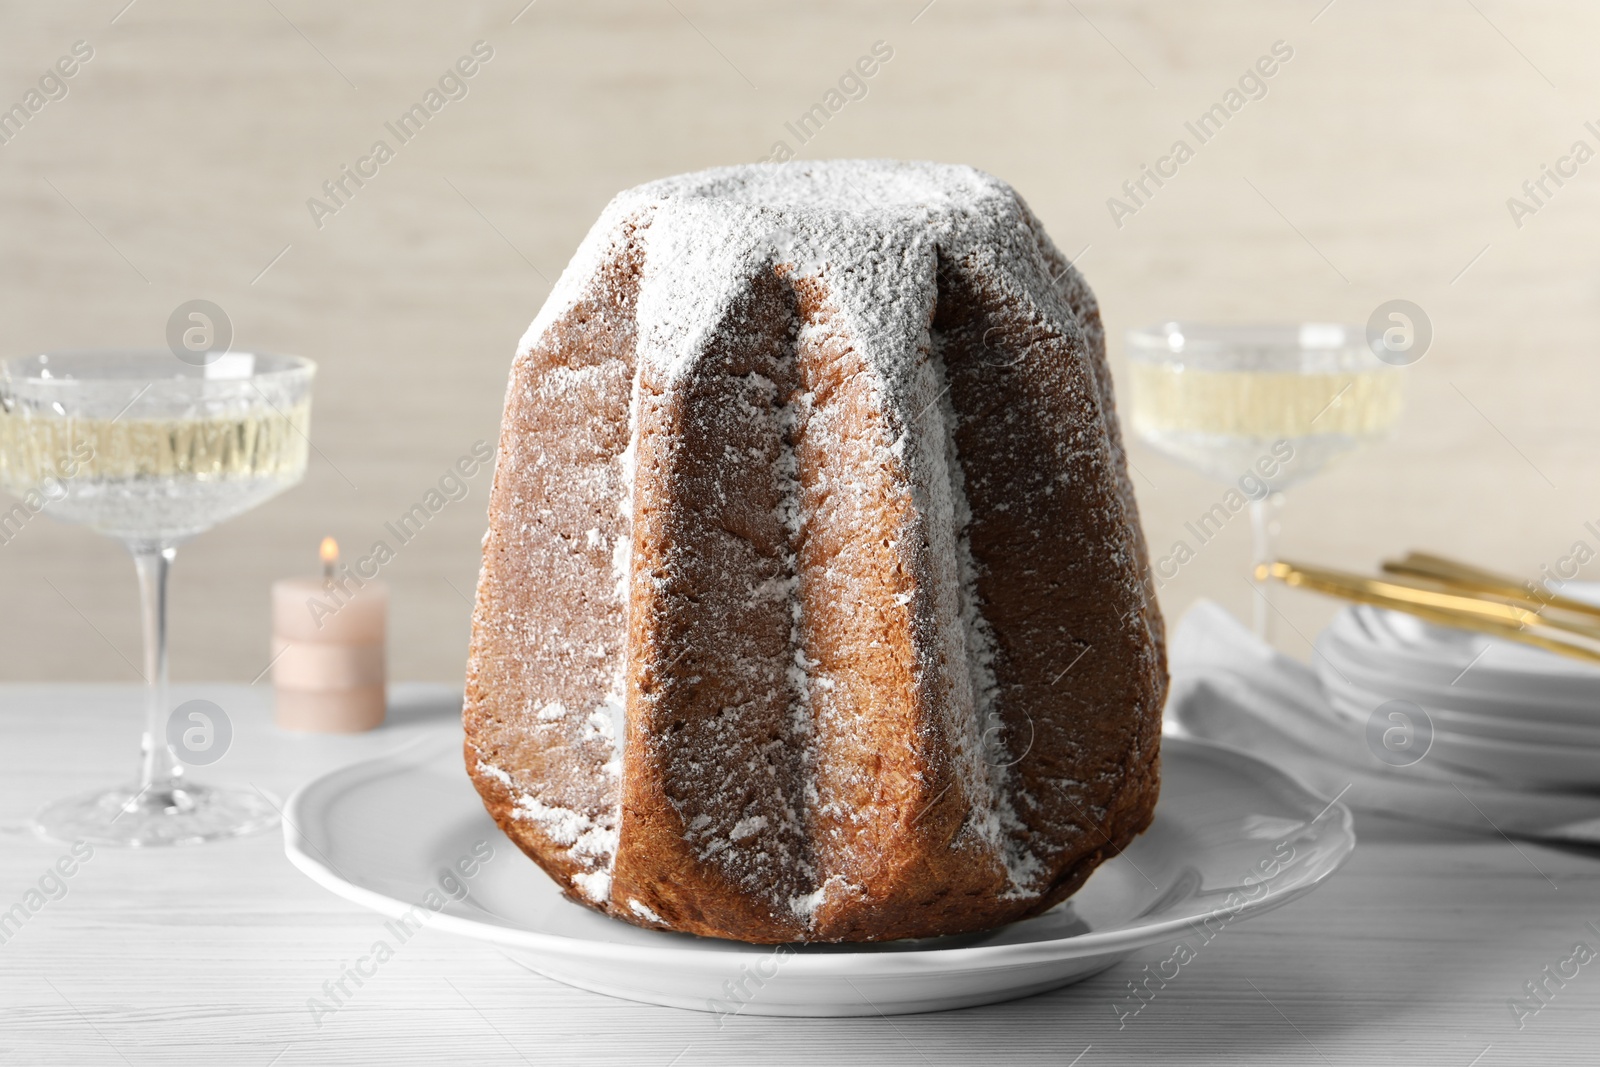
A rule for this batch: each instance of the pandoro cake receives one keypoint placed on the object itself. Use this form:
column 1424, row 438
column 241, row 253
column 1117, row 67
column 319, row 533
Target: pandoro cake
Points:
column 814, row 602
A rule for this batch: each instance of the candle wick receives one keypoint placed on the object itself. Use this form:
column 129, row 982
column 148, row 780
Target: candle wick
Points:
column 327, row 573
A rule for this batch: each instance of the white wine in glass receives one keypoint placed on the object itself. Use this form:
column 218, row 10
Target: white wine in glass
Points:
column 1219, row 398
column 151, row 450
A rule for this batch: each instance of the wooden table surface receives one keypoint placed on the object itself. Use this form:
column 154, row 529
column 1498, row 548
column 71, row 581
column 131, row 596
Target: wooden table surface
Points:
column 209, row 955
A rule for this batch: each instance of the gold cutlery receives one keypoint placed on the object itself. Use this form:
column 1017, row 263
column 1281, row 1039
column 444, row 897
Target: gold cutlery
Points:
column 1449, row 572
column 1498, row 615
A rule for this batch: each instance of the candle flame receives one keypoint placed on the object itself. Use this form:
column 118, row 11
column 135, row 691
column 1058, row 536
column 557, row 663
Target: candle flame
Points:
column 329, row 552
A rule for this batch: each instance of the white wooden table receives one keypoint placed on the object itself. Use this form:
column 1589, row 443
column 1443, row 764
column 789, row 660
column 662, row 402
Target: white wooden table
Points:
column 209, row 955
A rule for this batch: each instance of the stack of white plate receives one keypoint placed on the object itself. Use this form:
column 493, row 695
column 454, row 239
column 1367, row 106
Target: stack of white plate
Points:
column 1492, row 710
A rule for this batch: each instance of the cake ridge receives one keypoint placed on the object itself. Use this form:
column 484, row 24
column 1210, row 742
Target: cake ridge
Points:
column 999, row 829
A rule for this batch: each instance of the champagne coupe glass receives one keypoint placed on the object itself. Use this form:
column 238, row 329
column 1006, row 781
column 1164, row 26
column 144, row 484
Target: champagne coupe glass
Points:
column 1221, row 399
column 151, row 450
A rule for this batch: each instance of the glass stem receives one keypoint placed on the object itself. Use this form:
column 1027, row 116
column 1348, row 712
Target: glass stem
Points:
column 1264, row 530
column 159, row 773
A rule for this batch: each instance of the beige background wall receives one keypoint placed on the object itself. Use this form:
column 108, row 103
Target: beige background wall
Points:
column 180, row 163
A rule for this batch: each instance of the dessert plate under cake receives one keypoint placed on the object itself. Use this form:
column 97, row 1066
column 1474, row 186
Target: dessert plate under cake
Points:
column 1232, row 838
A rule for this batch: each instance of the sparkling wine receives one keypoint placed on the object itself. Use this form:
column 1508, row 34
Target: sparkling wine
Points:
column 1222, row 421
column 153, row 479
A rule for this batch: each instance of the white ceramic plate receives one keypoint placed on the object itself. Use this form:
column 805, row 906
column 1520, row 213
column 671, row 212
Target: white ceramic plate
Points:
column 1410, row 650
column 1515, row 710
column 1475, row 713
column 1524, row 763
column 1505, row 726
column 1232, row 838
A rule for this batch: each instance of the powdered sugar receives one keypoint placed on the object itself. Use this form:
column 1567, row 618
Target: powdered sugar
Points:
column 746, row 827
column 805, row 905
column 582, row 837
column 494, row 772
column 639, row 909
column 596, row 885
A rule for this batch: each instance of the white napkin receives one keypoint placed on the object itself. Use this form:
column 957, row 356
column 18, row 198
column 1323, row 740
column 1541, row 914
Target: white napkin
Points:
column 1231, row 688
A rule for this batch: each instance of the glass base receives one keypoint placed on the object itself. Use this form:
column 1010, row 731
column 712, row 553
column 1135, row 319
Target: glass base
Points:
column 181, row 814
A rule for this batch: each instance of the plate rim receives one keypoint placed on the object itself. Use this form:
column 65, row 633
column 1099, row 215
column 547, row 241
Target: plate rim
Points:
column 1344, row 707
column 956, row 959
column 1569, row 673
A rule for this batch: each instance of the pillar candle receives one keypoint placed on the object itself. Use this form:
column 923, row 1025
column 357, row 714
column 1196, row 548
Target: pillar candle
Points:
column 328, row 649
